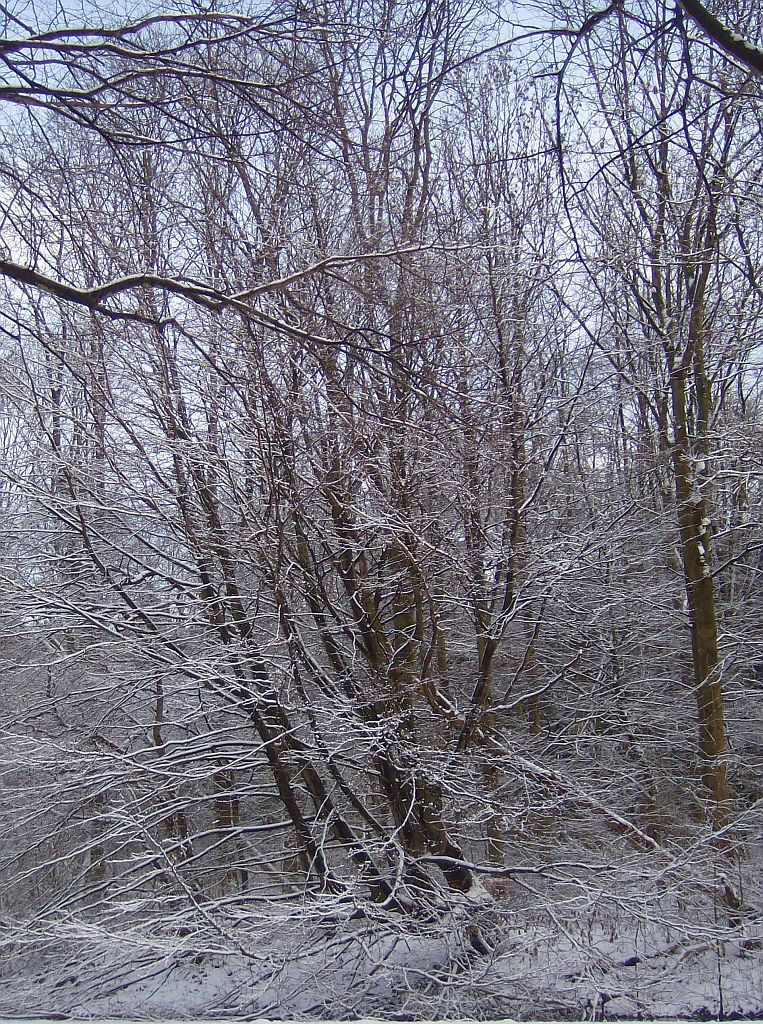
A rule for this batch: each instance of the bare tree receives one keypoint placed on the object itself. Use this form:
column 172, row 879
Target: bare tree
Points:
column 358, row 486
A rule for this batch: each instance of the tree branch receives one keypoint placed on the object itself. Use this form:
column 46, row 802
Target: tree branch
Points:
column 729, row 41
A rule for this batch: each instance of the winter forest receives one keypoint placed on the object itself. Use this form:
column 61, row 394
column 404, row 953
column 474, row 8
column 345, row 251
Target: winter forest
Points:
column 381, row 509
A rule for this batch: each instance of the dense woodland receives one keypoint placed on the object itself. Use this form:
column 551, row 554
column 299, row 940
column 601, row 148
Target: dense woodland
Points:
column 381, row 508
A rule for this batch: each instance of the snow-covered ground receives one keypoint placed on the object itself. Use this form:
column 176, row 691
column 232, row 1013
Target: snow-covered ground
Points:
column 578, row 956
column 403, row 978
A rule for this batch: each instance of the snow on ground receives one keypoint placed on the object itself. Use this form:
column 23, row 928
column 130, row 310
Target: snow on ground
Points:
column 559, row 964
column 401, row 980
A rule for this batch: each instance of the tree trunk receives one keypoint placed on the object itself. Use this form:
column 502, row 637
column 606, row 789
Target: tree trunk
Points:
column 694, row 523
